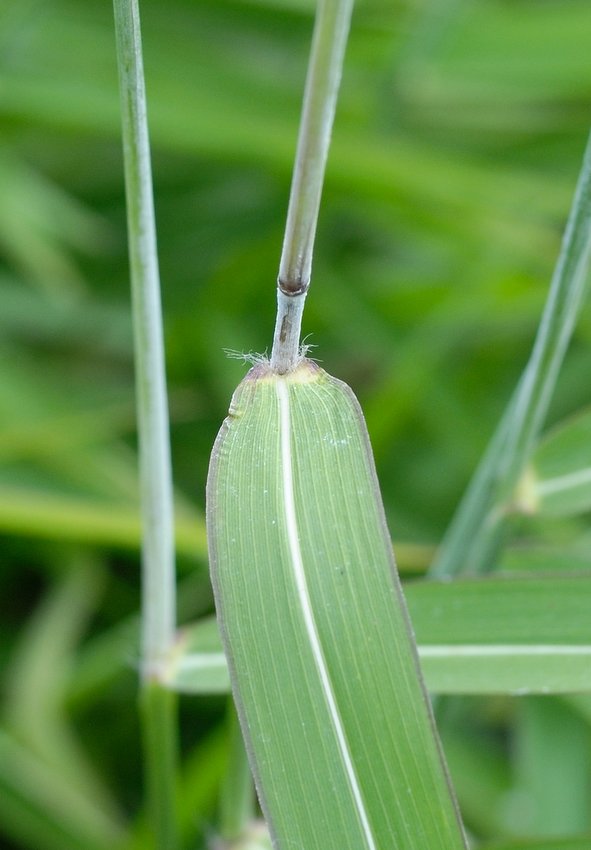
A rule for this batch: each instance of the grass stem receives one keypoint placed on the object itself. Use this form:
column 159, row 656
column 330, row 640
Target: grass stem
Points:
column 158, row 712
column 237, row 798
column 322, row 84
column 158, row 572
column 156, row 482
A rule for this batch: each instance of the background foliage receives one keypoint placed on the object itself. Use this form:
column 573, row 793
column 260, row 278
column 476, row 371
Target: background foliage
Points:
column 457, row 144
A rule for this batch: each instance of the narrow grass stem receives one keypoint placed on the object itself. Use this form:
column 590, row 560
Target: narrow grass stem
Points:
column 158, row 573
column 237, row 797
column 477, row 529
column 158, row 713
column 322, row 84
column 158, row 616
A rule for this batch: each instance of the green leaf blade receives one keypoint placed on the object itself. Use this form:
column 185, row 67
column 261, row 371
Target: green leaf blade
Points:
column 507, row 635
column 512, row 635
column 562, row 468
column 324, row 672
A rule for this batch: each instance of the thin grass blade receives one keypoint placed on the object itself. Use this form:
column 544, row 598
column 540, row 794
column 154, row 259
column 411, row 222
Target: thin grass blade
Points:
column 478, row 528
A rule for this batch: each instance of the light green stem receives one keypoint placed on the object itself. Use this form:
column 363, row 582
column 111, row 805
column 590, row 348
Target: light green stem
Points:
column 158, row 712
column 478, row 527
column 158, row 615
column 158, row 573
column 322, row 84
column 237, row 797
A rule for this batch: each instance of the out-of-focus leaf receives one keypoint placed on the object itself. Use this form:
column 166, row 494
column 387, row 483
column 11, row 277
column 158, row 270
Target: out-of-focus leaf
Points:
column 197, row 663
column 505, row 635
column 38, row 674
column 549, row 802
column 481, row 777
column 41, row 808
column 33, row 315
column 462, row 60
column 510, row 609
column 582, row 704
column 478, row 529
column 201, row 119
column 560, row 475
column 569, row 550
column 508, row 635
column 51, row 516
column 101, row 660
column 579, row 842
column 39, row 222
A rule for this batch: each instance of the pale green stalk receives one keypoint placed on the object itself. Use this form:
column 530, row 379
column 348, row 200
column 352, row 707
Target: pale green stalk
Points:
column 158, row 574
column 322, row 84
column 478, row 527
column 237, row 797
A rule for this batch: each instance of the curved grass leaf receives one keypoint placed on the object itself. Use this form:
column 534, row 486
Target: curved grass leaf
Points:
column 324, row 670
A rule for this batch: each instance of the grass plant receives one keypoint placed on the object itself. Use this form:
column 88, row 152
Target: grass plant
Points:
column 455, row 151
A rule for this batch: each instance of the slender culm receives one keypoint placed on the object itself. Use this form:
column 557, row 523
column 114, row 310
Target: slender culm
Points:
column 322, row 84
column 158, row 571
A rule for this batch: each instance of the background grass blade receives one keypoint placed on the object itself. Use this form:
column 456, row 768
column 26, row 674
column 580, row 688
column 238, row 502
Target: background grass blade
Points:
column 510, row 635
column 555, row 804
column 48, row 515
column 474, row 668
column 559, row 477
column 324, row 671
column 38, row 806
column 580, row 842
column 198, row 664
column 487, row 636
column 474, row 537
column 34, row 710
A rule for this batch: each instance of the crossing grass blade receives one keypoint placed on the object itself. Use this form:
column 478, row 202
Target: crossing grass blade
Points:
column 478, row 636
column 322, row 661
column 513, row 635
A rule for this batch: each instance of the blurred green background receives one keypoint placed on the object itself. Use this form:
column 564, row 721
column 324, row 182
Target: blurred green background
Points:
column 458, row 140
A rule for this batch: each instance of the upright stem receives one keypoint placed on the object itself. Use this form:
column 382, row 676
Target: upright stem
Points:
column 322, row 84
column 237, row 797
column 158, row 573
column 158, row 614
